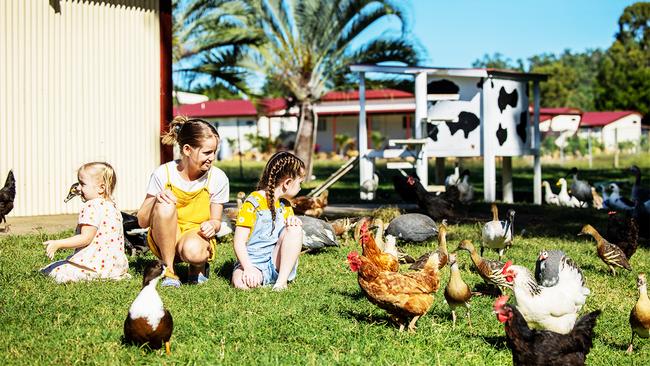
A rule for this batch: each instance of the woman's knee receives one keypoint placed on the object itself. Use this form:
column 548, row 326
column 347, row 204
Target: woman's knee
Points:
column 163, row 210
column 194, row 251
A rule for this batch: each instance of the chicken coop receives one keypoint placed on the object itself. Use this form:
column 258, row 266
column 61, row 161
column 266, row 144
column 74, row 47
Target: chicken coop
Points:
column 462, row 113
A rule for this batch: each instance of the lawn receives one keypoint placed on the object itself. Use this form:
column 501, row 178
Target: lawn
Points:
column 321, row 319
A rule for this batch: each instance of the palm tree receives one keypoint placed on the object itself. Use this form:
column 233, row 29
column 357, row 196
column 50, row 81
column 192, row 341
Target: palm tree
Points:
column 311, row 43
column 211, row 39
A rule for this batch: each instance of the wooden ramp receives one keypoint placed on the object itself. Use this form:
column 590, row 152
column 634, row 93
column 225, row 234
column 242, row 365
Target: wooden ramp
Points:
column 334, row 177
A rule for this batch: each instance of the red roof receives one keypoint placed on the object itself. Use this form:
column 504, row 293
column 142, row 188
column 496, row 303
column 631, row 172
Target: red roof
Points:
column 596, row 119
column 218, row 108
column 245, row 108
column 370, row 94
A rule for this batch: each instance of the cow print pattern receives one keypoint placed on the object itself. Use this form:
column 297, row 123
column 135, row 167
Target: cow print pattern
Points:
column 432, row 131
column 507, row 99
column 467, row 122
column 502, row 135
column 521, row 126
column 443, row 86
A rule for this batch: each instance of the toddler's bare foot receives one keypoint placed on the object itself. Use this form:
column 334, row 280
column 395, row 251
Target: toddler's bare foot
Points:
column 279, row 287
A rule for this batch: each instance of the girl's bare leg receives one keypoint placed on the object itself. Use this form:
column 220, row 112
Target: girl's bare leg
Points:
column 164, row 223
column 286, row 254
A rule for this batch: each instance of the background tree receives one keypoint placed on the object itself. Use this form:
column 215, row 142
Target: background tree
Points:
column 212, row 38
column 624, row 77
column 310, row 45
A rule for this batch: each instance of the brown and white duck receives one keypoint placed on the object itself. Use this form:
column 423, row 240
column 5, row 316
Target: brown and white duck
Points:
column 148, row 322
column 610, row 254
column 640, row 313
column 457, row 292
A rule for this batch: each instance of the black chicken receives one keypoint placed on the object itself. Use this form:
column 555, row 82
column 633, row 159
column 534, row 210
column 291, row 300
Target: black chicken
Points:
column 623, row 230
column 406, row 192
column 7, row 197
column 543, row 347
column 437, row 207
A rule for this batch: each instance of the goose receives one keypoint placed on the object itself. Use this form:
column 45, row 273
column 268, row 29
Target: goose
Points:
column 549, row 197
column 566, row 200
column 580, row 189
column 148, row 322
column 639, row 193
column 617, row 202
column 498, row 234
column 454, row 178
column 370, row 185
column 465, row 189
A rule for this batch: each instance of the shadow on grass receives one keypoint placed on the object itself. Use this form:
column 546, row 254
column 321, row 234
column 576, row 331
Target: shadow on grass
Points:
column 140, row 263
column 225, row 270
column 354, row 295
column 497, row 342
column 363, row 317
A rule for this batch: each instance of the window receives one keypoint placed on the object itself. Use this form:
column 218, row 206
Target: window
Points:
column 322, row 125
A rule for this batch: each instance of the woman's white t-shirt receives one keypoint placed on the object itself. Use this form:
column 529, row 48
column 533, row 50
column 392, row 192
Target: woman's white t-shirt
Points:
column 218, row 187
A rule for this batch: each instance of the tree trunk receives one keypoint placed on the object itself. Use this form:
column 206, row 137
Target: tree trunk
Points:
column 304, row 147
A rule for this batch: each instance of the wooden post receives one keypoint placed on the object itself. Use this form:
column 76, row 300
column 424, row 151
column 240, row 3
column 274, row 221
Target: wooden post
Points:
column 365, row 163
column 440, row 170
column 616, row 152
column 537, row 165
column 421, row 164
column 591, row 156
column 487, row 151
column 506, row 178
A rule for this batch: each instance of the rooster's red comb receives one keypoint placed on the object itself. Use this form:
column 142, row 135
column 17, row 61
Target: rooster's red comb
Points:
column 500, row 301
column 506, row 266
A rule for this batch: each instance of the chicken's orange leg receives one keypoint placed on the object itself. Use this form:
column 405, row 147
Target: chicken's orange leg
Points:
column 412, row 326
column 168, row 350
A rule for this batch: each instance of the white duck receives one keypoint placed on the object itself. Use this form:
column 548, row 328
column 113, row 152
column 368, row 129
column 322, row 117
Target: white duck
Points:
column 566, row 200
column 603, row 191
column 617, row 202
column 454, row 178
column 549, row 197
column 498, row 234
column 465, row 188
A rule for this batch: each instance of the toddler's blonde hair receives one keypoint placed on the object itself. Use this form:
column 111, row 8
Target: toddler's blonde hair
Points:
column 103, row 172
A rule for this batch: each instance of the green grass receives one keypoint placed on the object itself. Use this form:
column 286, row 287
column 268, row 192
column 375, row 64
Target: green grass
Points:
column 322, row 318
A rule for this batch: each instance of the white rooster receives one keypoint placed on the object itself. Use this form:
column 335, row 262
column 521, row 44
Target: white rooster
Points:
column 551, row 308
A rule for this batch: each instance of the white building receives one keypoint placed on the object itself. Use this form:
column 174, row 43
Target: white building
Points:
column 82, row 81
column 555, row 121
column 389, row 111
column 610, row 128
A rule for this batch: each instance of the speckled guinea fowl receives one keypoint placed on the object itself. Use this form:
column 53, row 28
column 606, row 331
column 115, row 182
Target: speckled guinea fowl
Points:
column 443, row 254
column 317, row 233
column 412, row 227
column 609, row 253
column 490, row 270
column 580, row 189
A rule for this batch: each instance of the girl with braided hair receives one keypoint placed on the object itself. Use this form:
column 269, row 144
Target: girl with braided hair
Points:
column 268, row 241
column 185, row 200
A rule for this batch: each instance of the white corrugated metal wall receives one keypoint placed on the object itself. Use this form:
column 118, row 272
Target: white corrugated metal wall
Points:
column 78, row 85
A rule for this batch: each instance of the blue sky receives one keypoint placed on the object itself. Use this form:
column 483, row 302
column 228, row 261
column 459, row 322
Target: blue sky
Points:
column 455, row 33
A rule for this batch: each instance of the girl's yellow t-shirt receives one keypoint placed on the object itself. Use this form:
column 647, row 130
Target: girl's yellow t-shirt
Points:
column 247, row 216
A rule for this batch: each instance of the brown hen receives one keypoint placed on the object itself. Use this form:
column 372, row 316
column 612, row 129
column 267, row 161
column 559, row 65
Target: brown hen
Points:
column 310, row 206
column 403, row 296
column 383, row 261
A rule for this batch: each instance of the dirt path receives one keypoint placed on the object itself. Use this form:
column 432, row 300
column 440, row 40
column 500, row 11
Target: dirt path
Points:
column 21, row 225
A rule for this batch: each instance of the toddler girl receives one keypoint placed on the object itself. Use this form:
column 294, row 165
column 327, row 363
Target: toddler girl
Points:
column 99, row 237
